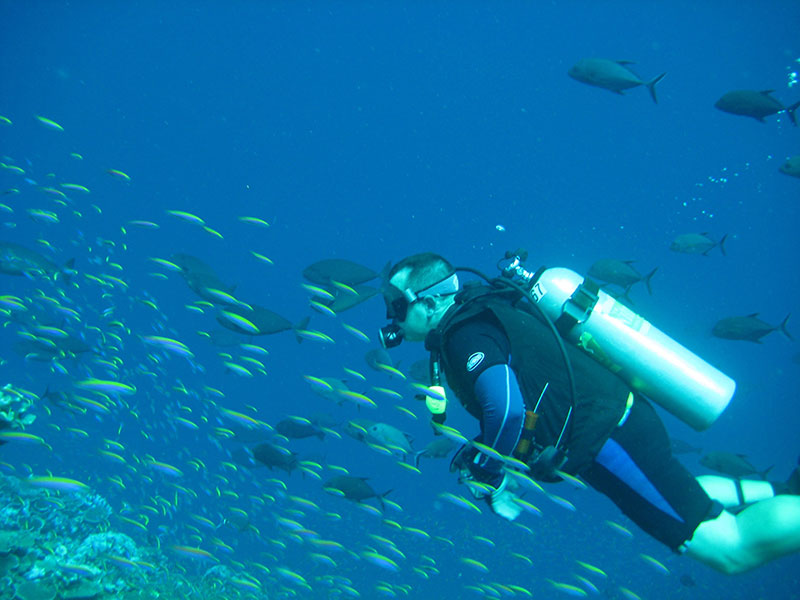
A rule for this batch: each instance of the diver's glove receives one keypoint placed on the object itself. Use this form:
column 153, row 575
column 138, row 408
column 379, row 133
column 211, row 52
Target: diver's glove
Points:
column 498, row 489
column 503, row 500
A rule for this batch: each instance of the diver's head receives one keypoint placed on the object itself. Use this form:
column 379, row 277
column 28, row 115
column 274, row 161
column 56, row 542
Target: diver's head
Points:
column 418, row 291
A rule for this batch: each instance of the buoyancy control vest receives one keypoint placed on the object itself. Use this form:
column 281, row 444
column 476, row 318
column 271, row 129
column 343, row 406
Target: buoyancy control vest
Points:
column 600, row 396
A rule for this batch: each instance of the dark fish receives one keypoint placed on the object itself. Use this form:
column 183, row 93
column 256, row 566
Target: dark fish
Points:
column 205, row 285
column 389, row 437
column 344, row 300
column 753, row 103
column 265, row 321
column 324, row 420
column 749, row 328
column 337, row 386
column 46, row 350
column 244, row 457
column 57, row 397
column 791, row 166
column 250, row 435
column 31, row 350
column 441, row 447
column 612, row 75
column 358, row 429
column 735, row 465
column 620, row 272
column 325, row 272
column 191, row 265
column 378, row 357
column 420, row 371
column 353, row 488
column 680, row 447
column 297, row 429
column 19, row 260
column 697, row 243
column 224, row 338
column 275, row 457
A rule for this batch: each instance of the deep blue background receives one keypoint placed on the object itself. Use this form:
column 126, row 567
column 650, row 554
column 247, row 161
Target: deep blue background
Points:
column 369, row 131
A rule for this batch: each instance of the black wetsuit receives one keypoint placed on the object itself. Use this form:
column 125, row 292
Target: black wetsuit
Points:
column 499, row 359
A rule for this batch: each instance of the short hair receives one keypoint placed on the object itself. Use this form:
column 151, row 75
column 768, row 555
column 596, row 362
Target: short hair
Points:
column 424, row 270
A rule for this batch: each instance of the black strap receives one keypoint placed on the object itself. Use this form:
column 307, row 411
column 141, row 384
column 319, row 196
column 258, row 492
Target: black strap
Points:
column 579, row 306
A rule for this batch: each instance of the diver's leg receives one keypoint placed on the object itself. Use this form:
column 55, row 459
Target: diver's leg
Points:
column 761, row 532
column 736, row 492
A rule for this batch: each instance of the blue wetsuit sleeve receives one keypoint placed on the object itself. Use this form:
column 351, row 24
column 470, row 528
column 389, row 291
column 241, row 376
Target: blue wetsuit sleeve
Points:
column 503, row 411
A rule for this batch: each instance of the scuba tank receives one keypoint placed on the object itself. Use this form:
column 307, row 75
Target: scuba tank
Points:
column 647, row 359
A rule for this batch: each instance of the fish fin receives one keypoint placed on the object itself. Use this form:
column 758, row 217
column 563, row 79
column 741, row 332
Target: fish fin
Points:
column 793, row 483
column 754, row 315
column 721, row 245
column 417, row 455
column 382, row 496
column 384, row 272
column 766, row 92
column 648, row 278
column 626, row 297
column 763, row 474
column 625, row 62
column 67, row 271
column 301, row 325
column 783, row 329
column 651, row 85
column 790, row 110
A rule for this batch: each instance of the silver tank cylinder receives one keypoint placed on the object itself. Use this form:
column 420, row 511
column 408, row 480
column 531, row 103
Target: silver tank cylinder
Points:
column 650, row 361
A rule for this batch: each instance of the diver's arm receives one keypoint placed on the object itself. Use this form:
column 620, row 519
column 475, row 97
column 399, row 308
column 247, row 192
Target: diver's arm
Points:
column 481, row 350
column 503, row 411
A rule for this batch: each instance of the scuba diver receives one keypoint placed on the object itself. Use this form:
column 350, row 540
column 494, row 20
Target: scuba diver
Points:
column 559, row 409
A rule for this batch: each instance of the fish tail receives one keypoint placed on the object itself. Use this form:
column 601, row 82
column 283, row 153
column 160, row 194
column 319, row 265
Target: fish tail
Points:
column 783, row 329
column 651, row 85
column 382, row 496
column 763, row 474
column 790, row 110
column 417, row 456
column 625, row 295
column 721, row 244
column 793, row 483
column 648, row 278
column 301, row 326
column 67, row 271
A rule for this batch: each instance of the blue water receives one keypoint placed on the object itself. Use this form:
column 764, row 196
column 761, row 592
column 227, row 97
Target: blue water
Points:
column 369, row 131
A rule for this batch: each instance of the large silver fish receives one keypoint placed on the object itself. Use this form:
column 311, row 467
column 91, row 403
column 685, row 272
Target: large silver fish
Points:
column 620, row 272
column 612, row 75
column 353, row 488
column 339, row 270
column 697, row 243
column 756, row 104
column 791, row 166
column 19, row 260
column 749, row 328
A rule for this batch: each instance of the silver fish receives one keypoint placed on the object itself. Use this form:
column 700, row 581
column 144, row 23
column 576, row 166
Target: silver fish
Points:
column 749, row 328
column 612, row 75
column 754, row 103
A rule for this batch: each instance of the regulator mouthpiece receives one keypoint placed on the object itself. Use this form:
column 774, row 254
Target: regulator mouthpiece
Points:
column 390, row 336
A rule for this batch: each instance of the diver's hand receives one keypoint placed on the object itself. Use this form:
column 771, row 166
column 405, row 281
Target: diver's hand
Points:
column 502, row 500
